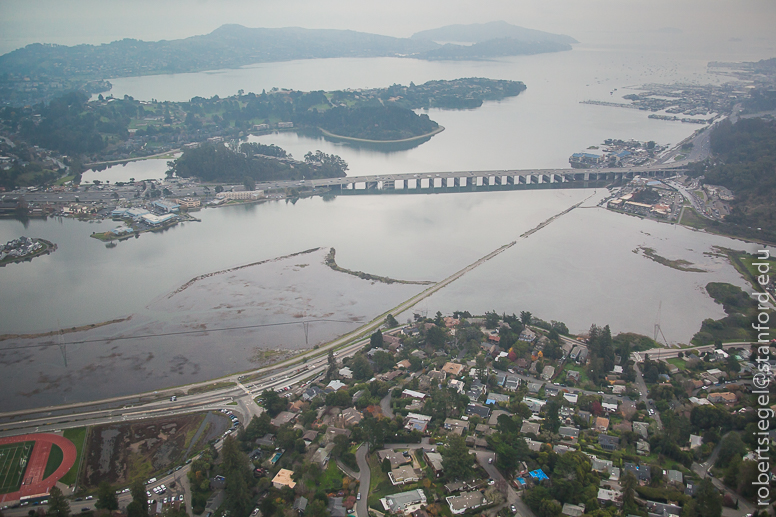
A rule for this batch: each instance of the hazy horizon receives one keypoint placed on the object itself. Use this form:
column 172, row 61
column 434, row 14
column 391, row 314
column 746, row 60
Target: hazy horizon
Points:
column 714, row 25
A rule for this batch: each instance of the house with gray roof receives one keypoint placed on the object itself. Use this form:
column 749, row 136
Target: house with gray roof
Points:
column 404, row 502
column 465, row 501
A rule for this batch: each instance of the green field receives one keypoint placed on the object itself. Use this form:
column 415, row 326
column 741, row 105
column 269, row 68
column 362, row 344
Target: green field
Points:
column 54, row 460
column 13, row 462
column 77, row 436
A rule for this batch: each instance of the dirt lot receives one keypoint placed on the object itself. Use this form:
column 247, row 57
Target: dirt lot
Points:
column 120, row 453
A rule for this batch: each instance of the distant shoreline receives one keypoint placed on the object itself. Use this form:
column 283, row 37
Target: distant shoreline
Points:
column 365, row 140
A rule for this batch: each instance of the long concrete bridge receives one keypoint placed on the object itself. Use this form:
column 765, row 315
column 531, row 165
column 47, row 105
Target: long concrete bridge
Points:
column 463, row 181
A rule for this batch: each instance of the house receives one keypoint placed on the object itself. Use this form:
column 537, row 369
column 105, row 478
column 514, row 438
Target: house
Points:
column 416, row 422
column 396, row 459
column 476, row 391
column 350, row 417
column 641, row 428
column 434, row 460
column 535, row 405
column 642, row 448
column 534, row 387
column 300, row 504
column 309, row 436
column 608, row 443
column 623, row 427
column 695, row 441
column 478, row 410
column 585, row 416
column 602, row 466
column 601, row 424
column 413, row 394
column 336, row 385
column 322, row 455
column 437, row 375
column 457, row 385
column 511, row 383
column 345, row 372
column 609, row 407
column 641, row 472
column 268, row 440
column 533, row 444
column 283, row 478
column 404, row 474
column 493, row 420
column 333, row 432
column 451, row 424
column 495, row 398
column 284, row 417
column 336, row 508
column 561, row 449
column 420, row 354
column 569, row 433
column 465, row 501
column 606, row 497
column 530, row 428
column 472, row 441
column 527, row 335
column 311, row 392
column 572, row 375
column 571, row 397
column 618, row 389
column 404, row 363
column 724, row 397
column 405, row 502
column 675, row 477
column 551, row 392
column 548, row 372
column 573, row 510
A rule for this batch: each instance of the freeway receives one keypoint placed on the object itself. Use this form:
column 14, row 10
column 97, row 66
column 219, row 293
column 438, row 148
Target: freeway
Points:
column 667, row 353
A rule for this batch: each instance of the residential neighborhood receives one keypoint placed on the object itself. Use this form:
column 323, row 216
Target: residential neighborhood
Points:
column 449, row 421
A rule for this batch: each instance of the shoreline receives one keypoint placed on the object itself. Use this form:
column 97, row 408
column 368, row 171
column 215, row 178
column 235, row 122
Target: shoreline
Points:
column 368, row 141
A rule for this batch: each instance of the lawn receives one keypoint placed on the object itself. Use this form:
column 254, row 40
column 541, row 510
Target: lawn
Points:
column 679, row 363
column 76, row 435
column 331, row 481
column 583, row 378
column 54, row 460
column 13, row 462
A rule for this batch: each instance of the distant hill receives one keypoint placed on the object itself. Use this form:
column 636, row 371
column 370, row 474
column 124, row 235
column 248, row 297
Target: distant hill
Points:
column 480, row 32
column 40, row 72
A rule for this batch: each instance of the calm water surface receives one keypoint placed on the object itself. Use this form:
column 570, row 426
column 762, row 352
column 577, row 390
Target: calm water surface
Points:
column 581, row 269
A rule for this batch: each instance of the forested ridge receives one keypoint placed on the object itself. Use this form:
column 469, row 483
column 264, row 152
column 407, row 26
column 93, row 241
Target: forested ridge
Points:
column 745, row 162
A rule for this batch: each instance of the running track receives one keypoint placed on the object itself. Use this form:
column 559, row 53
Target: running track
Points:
column 33, row 482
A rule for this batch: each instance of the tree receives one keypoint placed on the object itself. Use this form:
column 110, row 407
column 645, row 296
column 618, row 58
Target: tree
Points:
column 385, row 466
column 456, row 460
column 629, row 484
column 525, row 317
column 273, row 402
column 362, row 370
column 376, row 339
column 58, row 505
column 390, row 321
column 139, row 498
column 106, row 497
column 331, row 371
column 730, row 447
column 709, row 500
column 235, row 465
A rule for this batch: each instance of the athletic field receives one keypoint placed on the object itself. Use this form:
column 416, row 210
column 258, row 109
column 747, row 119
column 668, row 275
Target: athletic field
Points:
column 13, row 462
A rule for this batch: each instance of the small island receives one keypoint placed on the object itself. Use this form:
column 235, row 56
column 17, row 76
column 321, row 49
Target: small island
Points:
column 24, row 249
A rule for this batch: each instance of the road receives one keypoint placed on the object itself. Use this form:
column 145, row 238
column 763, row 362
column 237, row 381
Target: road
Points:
column 363, row 481
column 657, row 354
column 702, row 470
column 644, row 393
column 487, row 460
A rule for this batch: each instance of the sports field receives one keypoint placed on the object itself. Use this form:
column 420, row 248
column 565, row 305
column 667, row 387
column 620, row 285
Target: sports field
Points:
column 13, row 462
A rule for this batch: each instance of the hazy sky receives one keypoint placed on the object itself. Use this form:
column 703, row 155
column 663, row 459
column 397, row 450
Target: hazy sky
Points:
column 71, row 22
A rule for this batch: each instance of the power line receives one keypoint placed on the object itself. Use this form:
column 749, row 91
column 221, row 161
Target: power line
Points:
column 177, row 333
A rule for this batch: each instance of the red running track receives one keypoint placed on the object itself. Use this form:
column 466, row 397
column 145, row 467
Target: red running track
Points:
column 33, row 483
